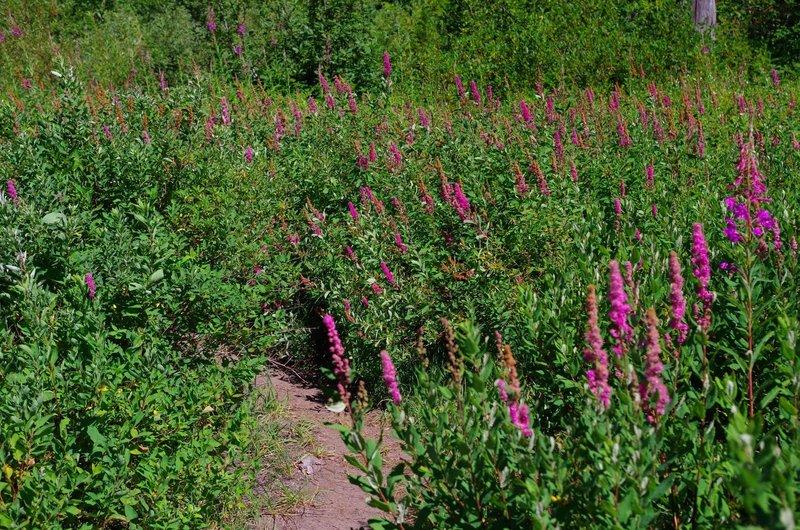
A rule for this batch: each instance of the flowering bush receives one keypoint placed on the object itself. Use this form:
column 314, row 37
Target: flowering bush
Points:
column 473, row 458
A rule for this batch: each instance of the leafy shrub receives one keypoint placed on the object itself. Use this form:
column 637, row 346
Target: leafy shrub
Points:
column 124, row 357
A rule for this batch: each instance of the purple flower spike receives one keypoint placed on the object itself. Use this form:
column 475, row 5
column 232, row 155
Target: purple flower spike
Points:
column 90, row 285
column 702, row 271
column 353, row 211
column 387, row 273
column 390, row 377
column 341, row 364
column 210, row 22
column 12, row 192
column 595, row 355
column 387, row 65
column 676, row 299
column 654, row 385
column 476, row 95
column 620, row 330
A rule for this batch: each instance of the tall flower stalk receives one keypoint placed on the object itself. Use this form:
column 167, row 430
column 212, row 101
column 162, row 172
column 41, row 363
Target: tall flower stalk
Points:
column 620, row 330
column 89, row 279
column 341, row 364
column 702, row 272
column 677, row 302
column 390, row 377
column 654, row 386
column 595, row 355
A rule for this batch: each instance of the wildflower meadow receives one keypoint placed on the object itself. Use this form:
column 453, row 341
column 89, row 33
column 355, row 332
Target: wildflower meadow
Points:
column 564, row 273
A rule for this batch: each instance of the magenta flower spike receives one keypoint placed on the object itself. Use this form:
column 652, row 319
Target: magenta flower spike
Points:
column 677, row 302
column 387, row 273
column 396, row 157
column 595, row 355
column 351, row 103
column 520, row 417
column 460, row 87
column 525, row 112
column 12, row 191
column 353, row 211
column 617, row 207
column 341, row 364
column 702, row 272
column 90, row 285
column 390, row 377
column 654, row 385
column 461, row 202
column 476, row 95
column 324, row 83
column 399, row 242
column 210, row 22
column 620, row 329
column 424, row 120
column 387, row 65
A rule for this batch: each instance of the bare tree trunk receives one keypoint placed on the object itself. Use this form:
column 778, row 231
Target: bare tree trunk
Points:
column 704, row 14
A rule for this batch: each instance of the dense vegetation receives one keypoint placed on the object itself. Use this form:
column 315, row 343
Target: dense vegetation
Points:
column 609, row 220
column 510, row 44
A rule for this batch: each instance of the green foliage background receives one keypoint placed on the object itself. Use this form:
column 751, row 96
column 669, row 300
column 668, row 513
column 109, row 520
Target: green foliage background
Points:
column 519, row 42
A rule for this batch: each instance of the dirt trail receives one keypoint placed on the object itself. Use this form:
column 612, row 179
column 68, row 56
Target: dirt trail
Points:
column 336, row 503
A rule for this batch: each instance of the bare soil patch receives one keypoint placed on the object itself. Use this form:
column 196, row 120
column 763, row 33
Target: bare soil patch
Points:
column 335, row 503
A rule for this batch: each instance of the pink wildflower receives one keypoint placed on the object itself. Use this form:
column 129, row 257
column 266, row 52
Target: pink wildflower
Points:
column 620, row 330
column 460, row 87
column 595, row 355
column 461, row 202
column 702, row 272
column 390, row 377
column 476, row 95
column 12, row 192
column 353, row 211
column 90, row 285
column 654, row 385
column 341, row 364
column 399, row 242
column 387, row 65
column 387, row 273
column 677, row 302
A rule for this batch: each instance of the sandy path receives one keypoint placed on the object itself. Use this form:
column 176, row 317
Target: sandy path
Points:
column 337, row 504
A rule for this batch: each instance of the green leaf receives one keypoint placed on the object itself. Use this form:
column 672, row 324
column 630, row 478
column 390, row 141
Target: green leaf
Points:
column 624, row 507
column 98, row 439
column 157, row 276
column 54, row 217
